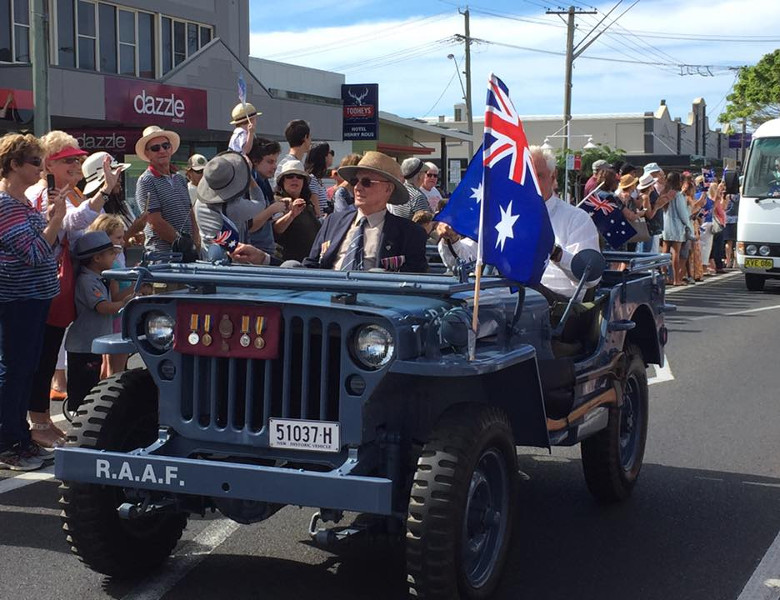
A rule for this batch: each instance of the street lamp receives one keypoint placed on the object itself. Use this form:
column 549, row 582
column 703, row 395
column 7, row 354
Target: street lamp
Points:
column 469, row 118
column 589, row 145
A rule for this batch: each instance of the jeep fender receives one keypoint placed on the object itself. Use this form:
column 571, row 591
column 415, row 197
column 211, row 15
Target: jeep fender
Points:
column 113, row 344
column 646, row 335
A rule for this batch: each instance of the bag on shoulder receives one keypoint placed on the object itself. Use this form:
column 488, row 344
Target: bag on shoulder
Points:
column 184, row 244
column 717, row 226
column 642, row 232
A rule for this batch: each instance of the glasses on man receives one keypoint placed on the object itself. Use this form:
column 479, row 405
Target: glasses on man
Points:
column 295, row 176
column 432, row 175
column 35, row 161
column 366, row 182
column 163, row 146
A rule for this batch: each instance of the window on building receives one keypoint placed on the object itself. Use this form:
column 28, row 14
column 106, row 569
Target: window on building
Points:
column 18, row 29
column 167, row 44
column 179, row 47
column 87, row 35
column 146, row 45
column 6, row 55
column 107, row 37
column 205, row 35
column 127, row 42
column 66, row 34
column 180, row 40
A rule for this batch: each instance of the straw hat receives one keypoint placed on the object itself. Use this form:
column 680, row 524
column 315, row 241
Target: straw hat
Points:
column 385, row 166
column 291, row 167
column 92, row 169
column 225, row 177
column 645, row 182
column 627, row 181
column 243, row 112
column 151, row 132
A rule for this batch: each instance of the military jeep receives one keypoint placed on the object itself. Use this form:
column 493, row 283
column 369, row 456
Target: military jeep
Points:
column 357, row 391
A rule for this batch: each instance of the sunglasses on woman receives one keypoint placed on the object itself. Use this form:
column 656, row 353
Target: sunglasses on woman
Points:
column 35, row 161
column 294, row 176
column 157, row 147
column 434, row 175
column 71, row 160
column 364, row 181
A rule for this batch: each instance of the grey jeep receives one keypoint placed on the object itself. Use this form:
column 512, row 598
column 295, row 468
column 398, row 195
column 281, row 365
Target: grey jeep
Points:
column 358, row 391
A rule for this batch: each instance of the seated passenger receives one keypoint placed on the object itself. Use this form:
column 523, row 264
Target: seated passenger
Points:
column 574, row 229
column 369, row 237
column 454, row 247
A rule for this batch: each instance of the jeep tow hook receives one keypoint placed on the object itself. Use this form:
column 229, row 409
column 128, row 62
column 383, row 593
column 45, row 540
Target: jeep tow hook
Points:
column 128, row 511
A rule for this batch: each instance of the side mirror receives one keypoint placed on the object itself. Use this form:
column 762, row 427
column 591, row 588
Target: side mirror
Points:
column 588, row 258
column 731, row 179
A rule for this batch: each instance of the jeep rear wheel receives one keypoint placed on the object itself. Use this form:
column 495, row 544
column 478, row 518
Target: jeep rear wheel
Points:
column 120, row 414
column 612, row 458
column 460, row 514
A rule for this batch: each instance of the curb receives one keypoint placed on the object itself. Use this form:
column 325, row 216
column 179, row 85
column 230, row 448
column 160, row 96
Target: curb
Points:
column 698, row 284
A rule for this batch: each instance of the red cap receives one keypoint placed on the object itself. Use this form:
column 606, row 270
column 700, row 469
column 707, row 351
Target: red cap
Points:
column 67, row 152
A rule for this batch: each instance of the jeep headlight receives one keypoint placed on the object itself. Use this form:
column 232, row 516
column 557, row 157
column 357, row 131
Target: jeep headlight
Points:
column 159, row 330
column 373, row 346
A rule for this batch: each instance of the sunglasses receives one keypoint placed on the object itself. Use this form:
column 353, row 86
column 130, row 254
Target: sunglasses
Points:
column 35, row 161
column 71, row 160
column 434, row 175
column 365, row 181
column 157, row 147
column 294, row 176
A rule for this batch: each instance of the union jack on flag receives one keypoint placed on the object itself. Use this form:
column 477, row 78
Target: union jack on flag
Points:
column 228, row 237
column 597, row 203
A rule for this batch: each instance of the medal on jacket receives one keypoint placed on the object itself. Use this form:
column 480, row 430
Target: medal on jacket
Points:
column 206, row 339
column 245, row 340
column 193, row 338
column 259, row 326
column 225, row 330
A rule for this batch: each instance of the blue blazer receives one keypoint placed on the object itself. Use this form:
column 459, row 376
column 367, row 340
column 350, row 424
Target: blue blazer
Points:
column 401, row 247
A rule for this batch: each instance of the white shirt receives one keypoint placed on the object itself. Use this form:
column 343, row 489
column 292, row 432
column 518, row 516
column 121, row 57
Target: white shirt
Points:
column 574, row 231
column 433, row 195
column 465, row 249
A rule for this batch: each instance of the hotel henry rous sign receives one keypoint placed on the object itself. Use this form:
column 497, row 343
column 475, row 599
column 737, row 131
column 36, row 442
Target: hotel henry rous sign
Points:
column 149, row 103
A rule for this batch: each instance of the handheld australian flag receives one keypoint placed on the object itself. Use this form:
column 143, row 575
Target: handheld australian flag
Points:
column 241, row 89
column 609, row 219
column 228, row 237
column 462, row 210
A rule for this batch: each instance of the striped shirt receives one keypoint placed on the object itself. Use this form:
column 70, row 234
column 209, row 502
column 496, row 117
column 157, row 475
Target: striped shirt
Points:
column 417, row 201
column 319, row 190
column 28, row 268
column 167, row 195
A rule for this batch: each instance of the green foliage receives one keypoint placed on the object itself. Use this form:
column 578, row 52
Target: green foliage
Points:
column 600, row 152
column 756, row 95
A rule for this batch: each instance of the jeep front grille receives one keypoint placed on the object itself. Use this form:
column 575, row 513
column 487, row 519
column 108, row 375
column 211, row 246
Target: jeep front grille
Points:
column 236, row 396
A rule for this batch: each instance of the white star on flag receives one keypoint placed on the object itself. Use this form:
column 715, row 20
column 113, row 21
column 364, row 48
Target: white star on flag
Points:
column 476, row 193
column 505, row 226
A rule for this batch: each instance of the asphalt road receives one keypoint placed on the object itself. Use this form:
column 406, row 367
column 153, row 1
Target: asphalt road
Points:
column 703, row 515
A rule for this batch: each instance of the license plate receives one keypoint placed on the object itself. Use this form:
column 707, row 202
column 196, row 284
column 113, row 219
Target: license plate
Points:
column 295, row 434
column 759, row 263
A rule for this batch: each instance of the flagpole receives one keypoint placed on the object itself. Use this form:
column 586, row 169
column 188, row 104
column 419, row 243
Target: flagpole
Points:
column 597, row 188
column 478, row 278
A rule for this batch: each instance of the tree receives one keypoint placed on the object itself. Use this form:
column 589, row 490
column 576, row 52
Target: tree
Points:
column 756, row 95
column 578, row 179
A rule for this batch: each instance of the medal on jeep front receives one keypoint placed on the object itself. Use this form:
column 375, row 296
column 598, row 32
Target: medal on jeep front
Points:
column 259, row 325
column 244, row 340
column 193, row 338
column 206, row 339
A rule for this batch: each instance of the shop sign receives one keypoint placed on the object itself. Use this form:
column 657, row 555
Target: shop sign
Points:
column 735, row 140
column 149, row 103
column 361, row 111
column 113, row 141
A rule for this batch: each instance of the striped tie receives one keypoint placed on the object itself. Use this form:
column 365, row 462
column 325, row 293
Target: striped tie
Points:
column 353, row 259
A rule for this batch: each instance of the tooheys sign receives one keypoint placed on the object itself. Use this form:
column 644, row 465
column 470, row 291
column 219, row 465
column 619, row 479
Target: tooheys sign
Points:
column 361, row 111
column 145, row 103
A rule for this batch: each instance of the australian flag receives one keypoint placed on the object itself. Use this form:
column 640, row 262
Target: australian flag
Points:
column 228, row 237
column 609, row 219
column 517, row 236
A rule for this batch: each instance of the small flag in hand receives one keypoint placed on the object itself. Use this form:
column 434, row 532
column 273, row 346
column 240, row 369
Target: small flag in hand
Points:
column 241, row 89
column 609, row 220
column 228, row 236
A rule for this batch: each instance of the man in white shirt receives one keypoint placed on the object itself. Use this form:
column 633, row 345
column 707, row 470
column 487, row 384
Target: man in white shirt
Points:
column 574, row 229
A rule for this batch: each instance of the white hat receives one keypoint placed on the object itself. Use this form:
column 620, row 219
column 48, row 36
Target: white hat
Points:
column 291, row 167
column 645, row 181
column 653, row 168
column 197, row 162
column 92, row 169
column 151, row 132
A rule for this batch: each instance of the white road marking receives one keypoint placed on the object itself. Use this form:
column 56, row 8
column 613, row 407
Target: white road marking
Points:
column 704, row 282
column 662, row 373
column 749, row 311
column 763, row 584
column 206, row 542
column 25, row 479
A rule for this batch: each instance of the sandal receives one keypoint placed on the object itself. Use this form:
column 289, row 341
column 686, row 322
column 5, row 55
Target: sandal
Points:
column 53, row 440
column 57, row 395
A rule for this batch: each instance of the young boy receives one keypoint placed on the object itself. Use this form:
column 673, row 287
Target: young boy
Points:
column 244, row 117
column 95, row 253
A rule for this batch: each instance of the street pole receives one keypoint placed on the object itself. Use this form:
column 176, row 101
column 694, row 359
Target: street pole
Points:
column 469, row 113
column 39, row 56
column 742, row 143
column 567, row 99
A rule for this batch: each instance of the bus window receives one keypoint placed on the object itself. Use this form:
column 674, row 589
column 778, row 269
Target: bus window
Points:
column 762, row 177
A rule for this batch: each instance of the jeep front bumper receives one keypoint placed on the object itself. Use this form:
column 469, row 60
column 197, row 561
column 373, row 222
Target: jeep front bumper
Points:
column 333, row 489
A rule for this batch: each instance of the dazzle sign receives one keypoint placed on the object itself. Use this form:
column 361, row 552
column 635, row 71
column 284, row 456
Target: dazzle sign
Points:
column 361, row 111
column 134, row 102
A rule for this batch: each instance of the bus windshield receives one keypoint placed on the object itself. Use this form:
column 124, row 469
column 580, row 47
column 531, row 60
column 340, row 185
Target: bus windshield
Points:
column 762, row 176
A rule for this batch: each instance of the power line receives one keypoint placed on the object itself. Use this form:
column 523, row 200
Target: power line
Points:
column 396, row 56
column 446, row 88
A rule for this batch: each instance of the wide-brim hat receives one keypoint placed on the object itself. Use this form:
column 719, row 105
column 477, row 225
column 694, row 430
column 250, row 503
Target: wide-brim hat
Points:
column 291, row 167
column 92, row 169
column 652, row 168
column 627, row 181
column 243, row 111
column 151, row 132
column 92, row 243
column 225, row 177
column 384, row 165
column 645, row 182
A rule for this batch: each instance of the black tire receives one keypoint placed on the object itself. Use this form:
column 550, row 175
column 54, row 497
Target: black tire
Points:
column 119, row 414
column 612, row 459
column 754, row 283
column 464, row 490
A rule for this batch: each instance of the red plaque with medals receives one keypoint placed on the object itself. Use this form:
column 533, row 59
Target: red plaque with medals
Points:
column 228, row 330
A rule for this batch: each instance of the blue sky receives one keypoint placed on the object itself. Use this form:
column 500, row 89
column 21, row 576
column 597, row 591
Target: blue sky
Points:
column 403, row 46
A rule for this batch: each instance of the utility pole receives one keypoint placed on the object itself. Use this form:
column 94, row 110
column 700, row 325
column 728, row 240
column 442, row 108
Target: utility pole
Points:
column 572, row 53
column 469, row 113
column 742, row 143
column 39, row 56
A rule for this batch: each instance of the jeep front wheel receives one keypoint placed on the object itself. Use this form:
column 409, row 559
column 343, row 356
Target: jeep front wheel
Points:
column 612, row 458
column 461, row 505
column 120, row 414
